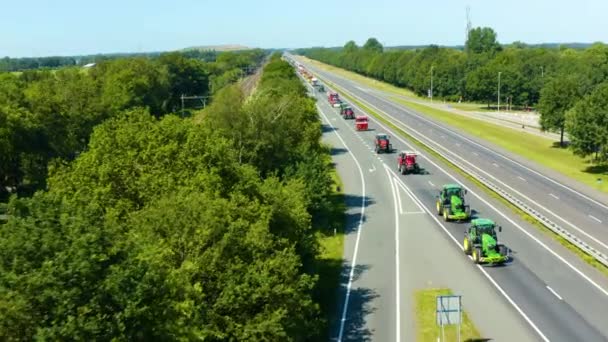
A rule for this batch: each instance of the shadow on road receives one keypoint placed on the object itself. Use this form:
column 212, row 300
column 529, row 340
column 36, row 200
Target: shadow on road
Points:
column 336, row 151
column 353, row 203
column 325, row 128
column 359, row 306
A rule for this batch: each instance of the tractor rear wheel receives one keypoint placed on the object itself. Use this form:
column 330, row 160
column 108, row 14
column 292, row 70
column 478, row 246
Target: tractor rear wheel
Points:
column 439, row 207
column 477, row 255
column 403, row 170
column 466, row 246
column 446, row 213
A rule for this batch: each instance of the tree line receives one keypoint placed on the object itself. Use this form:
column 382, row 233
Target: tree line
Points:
column 170, row 228
column 8, row 64
column 561, row 83
column 49, row 115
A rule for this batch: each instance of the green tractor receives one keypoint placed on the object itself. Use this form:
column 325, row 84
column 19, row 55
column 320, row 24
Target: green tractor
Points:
column 451, row 204
column 481, row 242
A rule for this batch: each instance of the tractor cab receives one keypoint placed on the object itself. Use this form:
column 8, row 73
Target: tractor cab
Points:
column 347, row 111
column 361, row 123
column 479, row 227
column 333, row 98
column 383, row 143
column 406, row 162
column 450, row 190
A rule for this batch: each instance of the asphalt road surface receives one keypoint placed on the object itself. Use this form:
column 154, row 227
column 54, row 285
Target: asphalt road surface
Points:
column 398, row 245
column 576, row 207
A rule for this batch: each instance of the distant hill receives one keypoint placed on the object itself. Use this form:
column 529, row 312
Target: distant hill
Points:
column 225, row 47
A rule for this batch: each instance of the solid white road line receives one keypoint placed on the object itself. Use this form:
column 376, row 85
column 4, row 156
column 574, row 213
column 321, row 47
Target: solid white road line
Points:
column 359, row 230
column 552, row 195
column 554, row 293
column 397, row 275
column 595, row 218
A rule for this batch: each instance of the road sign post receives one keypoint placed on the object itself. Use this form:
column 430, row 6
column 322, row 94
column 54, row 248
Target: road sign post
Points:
column 449, row 312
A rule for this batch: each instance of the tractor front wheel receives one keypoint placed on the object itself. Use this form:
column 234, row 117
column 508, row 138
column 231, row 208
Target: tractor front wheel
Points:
column 439, row 207
column 466, row 246
column 477, row 255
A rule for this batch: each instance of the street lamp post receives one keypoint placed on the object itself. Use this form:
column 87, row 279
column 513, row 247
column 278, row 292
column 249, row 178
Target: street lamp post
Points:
column 432, row 84
column 500, row 72
column 542, row 71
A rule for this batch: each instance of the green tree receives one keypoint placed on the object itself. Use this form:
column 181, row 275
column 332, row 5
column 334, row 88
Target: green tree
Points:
column 482, row 40
column 587, row 125
column 350, row 47
column 186, row 77
column 558, row 96
column 373, row 45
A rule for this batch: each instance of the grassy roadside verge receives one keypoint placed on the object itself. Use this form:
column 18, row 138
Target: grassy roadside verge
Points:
column 584, row 256
column 330, row 260
column 427, row 329
column 532, row 147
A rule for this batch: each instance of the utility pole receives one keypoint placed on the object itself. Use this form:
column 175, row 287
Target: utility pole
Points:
column 500, row 72
column 432, row 84
column 542, row 72
column 202, row 98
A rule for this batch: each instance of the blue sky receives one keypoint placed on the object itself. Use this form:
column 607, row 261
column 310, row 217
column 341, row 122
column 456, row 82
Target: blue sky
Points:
column 68, row 27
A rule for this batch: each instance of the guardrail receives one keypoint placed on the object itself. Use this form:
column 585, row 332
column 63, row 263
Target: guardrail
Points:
column 573, row 239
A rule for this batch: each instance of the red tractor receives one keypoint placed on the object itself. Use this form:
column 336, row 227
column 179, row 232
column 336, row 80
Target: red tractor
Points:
column 361, row 123
column 406, row 162
column 333, row 98
column 383, row 144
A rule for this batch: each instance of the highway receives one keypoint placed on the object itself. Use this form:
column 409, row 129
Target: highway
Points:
column 576, row 207
column 396, row 244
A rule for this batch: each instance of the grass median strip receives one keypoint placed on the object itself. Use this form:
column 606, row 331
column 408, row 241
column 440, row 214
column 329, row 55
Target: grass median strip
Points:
column 584, row 256
column 330, row 260
column 427, row 329
column 535, row 148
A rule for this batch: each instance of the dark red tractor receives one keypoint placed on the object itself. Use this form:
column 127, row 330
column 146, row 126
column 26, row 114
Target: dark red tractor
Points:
column 347, row 111
column 406, row 162
column 333, row 98
column 383, row 144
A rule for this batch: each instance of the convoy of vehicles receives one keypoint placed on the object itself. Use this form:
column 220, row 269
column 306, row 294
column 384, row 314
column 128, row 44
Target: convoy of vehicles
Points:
column 480, row 239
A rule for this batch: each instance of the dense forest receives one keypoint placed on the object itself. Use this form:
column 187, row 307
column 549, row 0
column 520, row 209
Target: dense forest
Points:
column 169, row 228
column 562, row 83
column 47, row 116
